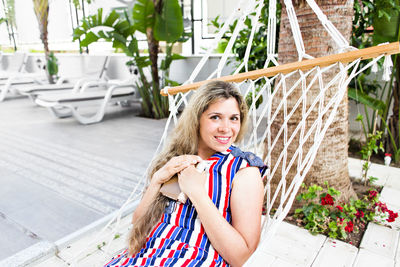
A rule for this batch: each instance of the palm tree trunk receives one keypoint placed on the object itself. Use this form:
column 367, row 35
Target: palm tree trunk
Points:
column 331, row 161
column 41, row 8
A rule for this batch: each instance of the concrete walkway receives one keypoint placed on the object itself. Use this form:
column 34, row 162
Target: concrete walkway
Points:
column 58, row 176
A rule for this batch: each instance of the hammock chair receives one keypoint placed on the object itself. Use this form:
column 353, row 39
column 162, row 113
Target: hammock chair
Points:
column 285, row 91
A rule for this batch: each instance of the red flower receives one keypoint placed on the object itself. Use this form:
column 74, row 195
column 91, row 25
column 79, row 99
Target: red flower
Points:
column 339, row 221
column 382, row 206
column 392, row 216
column 349, row 227
column 372, row 194
column 360, row 214
column 339, row 208
column 327, row 200
column 388, row 154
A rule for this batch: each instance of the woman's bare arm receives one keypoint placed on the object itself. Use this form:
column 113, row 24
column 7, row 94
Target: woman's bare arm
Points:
column 173, row 166
column 236, row 242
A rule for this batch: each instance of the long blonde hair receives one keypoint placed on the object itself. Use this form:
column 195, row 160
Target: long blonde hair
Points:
column 183, row 140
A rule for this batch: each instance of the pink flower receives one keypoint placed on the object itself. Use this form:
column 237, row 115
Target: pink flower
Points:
column 339, row 208
column 327, row 200
column 360, row 214
column 349, row 227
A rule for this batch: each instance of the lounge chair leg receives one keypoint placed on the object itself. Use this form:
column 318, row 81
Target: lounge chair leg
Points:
column 60, row 113
column 89, row 119
column 4, row 90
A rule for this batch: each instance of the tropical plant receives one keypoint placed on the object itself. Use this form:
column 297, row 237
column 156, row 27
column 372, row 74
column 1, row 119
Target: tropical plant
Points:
column 41, row 8
column 9, row 19
column 160, row 21
column 52, row 66
column 372, row 145
column 384, row 18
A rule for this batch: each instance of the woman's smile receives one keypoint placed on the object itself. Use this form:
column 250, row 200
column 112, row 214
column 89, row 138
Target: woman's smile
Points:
column 222, row 139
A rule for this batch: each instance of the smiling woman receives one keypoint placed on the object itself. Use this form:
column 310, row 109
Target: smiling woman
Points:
column 220, row 223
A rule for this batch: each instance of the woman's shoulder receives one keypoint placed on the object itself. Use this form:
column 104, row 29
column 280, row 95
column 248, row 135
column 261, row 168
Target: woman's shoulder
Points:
column 251, row 159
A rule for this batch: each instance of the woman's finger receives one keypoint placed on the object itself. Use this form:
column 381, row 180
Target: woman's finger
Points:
column 181, row 167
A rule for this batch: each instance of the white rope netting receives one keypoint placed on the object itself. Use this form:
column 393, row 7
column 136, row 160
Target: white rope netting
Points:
column 286, row 128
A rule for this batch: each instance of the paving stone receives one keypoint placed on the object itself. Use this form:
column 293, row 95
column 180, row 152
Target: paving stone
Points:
column 294, row 245
column 37, row 252
column 382, row 172
column 390, row 195
column 53, row 261
column 380, row 240
column 14, row 237
column 355, row 167
column 260, row 258
column 335, row 253
column 267, row 260
column 117, row 244
column 98, row 258
column 367, row 258
column 393, row 181
column 397, row 258
column 87, row 245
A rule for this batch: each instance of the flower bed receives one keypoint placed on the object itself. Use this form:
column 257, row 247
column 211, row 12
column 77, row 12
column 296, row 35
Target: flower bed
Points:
column 321, row 214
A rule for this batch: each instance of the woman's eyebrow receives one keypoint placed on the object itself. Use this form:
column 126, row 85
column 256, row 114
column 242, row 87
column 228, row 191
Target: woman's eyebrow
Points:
column 220, row 113
column 214, row 113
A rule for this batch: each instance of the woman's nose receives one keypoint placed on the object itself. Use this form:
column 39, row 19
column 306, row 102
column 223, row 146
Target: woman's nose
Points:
column 224, row 126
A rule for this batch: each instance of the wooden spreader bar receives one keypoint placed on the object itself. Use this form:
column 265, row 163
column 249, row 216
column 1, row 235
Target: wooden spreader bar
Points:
column 366, row 53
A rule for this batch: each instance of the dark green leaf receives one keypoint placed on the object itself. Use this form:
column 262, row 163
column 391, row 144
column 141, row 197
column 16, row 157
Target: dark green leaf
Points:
column 111, row 18
column 90, row 37
column 143, row 15
column 100, row 16
column 386, row 27
column 365, row 99
column 169, row 24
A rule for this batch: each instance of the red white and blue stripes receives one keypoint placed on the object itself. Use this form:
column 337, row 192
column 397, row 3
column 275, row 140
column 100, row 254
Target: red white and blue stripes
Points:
column 179, row 238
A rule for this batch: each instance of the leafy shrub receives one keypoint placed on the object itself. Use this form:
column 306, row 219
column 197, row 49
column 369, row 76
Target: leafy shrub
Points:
column 321, row 214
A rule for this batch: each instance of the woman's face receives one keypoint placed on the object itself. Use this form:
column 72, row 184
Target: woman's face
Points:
column 219, row 127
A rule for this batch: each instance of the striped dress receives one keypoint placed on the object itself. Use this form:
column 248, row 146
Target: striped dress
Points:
column 179, row 238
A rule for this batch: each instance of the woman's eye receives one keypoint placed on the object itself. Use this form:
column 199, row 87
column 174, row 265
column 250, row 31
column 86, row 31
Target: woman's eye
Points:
column 235, row 118
column 215, row 117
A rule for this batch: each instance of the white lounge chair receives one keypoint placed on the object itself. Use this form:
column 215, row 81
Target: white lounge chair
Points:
column 94, row 70
column 16, row 74
column 66, row 104
column 12, row 64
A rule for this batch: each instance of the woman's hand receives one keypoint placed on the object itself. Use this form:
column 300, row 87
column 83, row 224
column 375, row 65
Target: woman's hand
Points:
column 174, row 166
column 192, row 182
